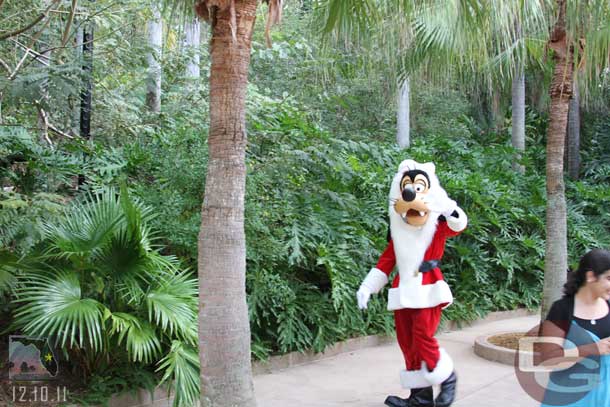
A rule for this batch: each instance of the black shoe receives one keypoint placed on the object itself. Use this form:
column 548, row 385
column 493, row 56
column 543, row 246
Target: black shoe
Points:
column 395, row 401
column 423, row 397
column 447, row 394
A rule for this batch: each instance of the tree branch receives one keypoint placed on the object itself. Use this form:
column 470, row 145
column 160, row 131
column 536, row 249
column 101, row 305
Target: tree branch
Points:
column 87, row 42
column 21, row 61
column 48, row 126
column 43, row 59
column 59, row 132
column 4, row 64
column 64, row 38
column 29, row 49
column 45, row 124
column 32, row 24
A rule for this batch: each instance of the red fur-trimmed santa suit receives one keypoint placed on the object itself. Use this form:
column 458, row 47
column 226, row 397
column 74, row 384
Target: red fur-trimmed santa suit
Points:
column 422, row 217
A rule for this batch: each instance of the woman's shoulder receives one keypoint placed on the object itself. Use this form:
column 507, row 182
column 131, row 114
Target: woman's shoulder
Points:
column 562, row 309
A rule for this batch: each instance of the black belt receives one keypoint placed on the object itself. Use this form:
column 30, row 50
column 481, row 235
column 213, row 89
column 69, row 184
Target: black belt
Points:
column 429, row 265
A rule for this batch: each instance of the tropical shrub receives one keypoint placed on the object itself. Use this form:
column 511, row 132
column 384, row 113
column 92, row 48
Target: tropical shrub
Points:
column 99, row 288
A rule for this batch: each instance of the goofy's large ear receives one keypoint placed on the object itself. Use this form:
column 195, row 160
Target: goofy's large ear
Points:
column 429, row 168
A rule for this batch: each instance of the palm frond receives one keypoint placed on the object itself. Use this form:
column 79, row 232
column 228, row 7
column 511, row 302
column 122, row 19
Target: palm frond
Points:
column 121, row 257
column 130, row 290
column 172, row 305
column 53, row 306
column 141, row 340
column 182, row 365
column 86, row 225
column 137, row 218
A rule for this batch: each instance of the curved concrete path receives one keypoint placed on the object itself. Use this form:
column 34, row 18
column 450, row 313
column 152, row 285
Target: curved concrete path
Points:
column 363, row 378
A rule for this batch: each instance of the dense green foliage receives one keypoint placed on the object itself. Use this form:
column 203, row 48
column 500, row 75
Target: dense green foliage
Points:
column 98, row 285
column 316, row 222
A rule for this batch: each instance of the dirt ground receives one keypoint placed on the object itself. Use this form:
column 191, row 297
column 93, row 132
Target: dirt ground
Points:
column 508, row 340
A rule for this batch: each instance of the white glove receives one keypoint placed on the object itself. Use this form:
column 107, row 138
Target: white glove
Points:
column 372, row 284
column 441, row 203
column 448, row 208
column 363, row 295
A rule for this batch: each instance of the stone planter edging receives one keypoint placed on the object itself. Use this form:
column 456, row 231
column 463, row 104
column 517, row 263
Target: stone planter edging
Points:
column 280, row 362
column 487, row 350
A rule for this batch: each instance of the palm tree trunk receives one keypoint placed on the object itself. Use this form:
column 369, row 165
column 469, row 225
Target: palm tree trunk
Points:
column 402, row 121
column 191, row 44
column 518, row 117
column 44, row 61
column 556, row 225
column 155, row 42
column 574, row 134
column 224, row 329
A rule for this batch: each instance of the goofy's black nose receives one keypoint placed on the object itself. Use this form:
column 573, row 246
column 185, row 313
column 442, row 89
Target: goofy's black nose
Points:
column 408, row 194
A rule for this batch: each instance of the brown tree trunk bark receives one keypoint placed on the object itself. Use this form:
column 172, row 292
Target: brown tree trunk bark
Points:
column 224, row 329
column 556, row 262
column 573, row 146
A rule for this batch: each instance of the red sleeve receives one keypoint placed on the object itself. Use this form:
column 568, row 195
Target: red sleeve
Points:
column 387, row 261
column 445, row 230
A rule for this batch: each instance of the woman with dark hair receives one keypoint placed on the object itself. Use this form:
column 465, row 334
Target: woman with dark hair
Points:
column 581, row 321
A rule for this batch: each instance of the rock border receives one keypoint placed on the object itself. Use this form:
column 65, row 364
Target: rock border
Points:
column 281, row 362
column 487, row 350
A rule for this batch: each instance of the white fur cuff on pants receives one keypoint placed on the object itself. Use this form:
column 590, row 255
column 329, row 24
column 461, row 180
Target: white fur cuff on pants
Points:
column 375, row 280
column 442, row 371
column 414, row 379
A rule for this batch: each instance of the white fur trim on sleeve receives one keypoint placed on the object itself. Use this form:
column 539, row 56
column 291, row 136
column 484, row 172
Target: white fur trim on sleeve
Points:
column 375, row 280
column 442, row 371
column 413, row 379
column 457, row 224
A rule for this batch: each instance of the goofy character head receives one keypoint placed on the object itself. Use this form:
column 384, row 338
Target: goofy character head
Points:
column 415, row 193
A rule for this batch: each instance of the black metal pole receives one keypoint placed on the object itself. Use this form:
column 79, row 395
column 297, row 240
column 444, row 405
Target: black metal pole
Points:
column 85, row 97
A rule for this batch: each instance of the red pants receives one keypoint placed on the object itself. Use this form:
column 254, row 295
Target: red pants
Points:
column 415, row 329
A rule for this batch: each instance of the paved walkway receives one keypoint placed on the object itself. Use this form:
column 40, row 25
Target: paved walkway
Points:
column 365, row 377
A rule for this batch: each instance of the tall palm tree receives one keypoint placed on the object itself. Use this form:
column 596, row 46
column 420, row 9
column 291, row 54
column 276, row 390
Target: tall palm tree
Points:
column 518, row 110
column 192, row 31
column 155, row 43
column 556, row 215
column 580, row 36
column 403, row 120
column 224, row 329
column 376, row 48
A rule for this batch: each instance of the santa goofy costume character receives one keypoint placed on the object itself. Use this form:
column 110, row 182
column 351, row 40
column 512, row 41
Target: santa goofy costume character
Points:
column 422, row 217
